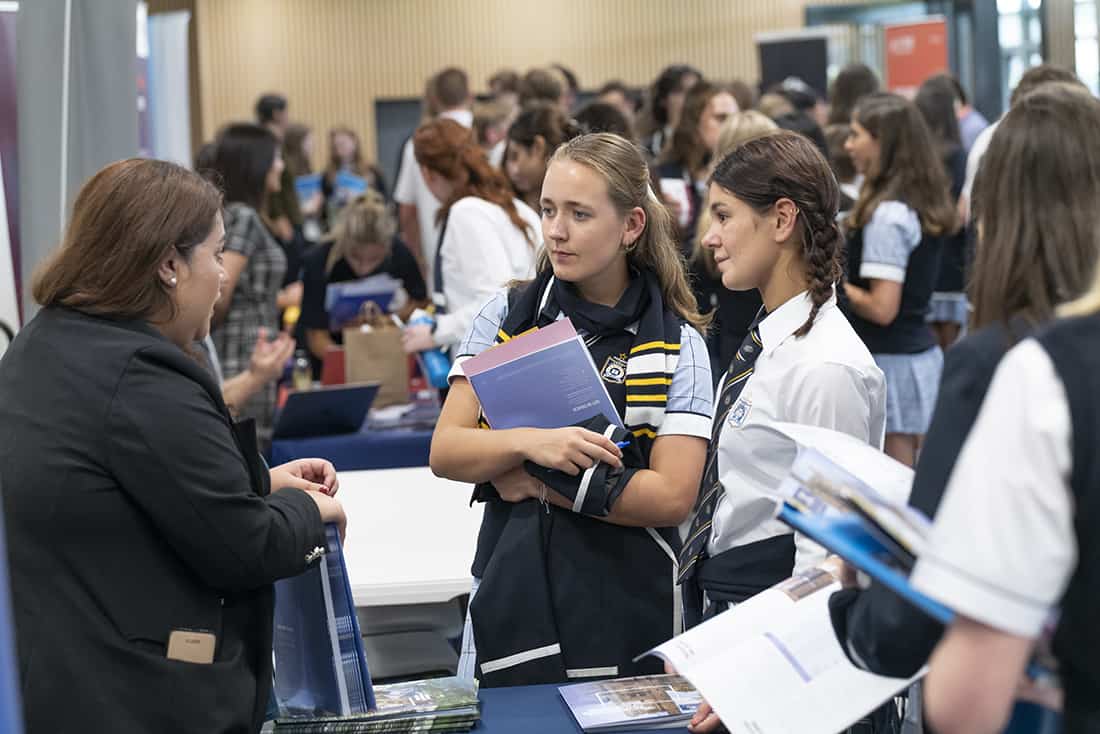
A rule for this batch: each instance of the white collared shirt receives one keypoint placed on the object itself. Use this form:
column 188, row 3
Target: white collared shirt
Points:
column 1003, row 547
column 826, row 378
column 410, row 188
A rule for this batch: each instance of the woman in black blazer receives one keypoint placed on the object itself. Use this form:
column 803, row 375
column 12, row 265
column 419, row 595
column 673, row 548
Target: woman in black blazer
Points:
column 144, row 529
column 1021, row 273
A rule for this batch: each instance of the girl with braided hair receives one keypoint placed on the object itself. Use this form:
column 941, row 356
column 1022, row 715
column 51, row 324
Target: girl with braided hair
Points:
column 773, row 204
column 487, row 237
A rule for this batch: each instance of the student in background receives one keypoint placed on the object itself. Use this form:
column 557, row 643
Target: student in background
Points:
column 732, row 310
column 489, row 238
column 773, row 203
column 587, row 600
column 895, row 240
column 543, row 85
column 621, row 97
column 363, row 243
column 572, row 87
column 345, row 155
column 836, row 136
column 248, row 161
column 491, row 122
column 297, row 155
column 971, row 122
column 139, row 512
column 538, row 131
column 504, row 86
column 1024, row 485
column 601, row 117
column 690, row 151
column 664, row 103
column 282, row 209
column 949, row 308
column 1024, row 269
column 853, row 83
column 447, row 96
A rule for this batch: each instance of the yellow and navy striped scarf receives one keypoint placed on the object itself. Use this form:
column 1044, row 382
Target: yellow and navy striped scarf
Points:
column 651, row 361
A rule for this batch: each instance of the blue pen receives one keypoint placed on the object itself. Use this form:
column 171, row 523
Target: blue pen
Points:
column 622, row 444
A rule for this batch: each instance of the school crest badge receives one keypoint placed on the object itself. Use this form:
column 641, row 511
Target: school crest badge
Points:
column 614, row 369
column 740, row 413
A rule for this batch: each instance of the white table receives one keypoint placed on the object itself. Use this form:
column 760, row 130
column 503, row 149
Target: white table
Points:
column 411, row 536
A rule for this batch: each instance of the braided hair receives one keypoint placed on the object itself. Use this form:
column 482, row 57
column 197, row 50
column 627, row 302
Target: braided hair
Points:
column 786, row 165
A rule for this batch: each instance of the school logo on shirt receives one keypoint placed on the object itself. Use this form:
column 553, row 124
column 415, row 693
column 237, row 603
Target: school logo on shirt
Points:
column 614, row 369
column 740, row 413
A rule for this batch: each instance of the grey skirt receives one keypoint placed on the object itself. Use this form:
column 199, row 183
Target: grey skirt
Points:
column 912, row 385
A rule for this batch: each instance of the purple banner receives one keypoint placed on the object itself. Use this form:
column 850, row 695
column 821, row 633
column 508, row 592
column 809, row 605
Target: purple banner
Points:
column 9, row 142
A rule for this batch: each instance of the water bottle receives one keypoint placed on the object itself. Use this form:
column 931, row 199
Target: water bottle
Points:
column 433, row 362
column 302, row 374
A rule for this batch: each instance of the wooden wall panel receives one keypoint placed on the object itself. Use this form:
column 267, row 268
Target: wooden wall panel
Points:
column 333, row 58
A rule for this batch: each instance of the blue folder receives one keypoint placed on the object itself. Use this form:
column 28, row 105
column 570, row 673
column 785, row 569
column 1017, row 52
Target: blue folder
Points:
column 10, row 706
column 320, row 666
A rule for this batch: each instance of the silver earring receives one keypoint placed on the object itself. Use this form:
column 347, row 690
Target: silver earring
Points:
column 172, row 281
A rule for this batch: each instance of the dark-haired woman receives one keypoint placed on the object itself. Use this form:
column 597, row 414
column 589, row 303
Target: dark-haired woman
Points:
column 534, row 136
column 896, row 234
column 488, row 238
column 949, row 309
column 249, row 163
column 144, row 529
column 664, row 104
column 773, row 204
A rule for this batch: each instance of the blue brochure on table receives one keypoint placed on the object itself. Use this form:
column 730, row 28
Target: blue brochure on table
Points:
column 541, row 379
column 320, row 666
column 344, row 301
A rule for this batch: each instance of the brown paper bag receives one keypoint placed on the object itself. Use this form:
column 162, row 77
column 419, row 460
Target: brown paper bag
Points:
column 377, row 356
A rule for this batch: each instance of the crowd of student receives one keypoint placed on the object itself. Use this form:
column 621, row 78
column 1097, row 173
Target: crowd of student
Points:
column 729, row 261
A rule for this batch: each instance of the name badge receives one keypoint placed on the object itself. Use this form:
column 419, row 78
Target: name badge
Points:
column 740, row 413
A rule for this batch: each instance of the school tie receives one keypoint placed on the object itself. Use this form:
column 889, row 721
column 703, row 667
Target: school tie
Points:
column 710, row 491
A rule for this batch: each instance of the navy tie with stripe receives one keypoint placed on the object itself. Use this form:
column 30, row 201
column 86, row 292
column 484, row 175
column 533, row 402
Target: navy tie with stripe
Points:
column 710, row 491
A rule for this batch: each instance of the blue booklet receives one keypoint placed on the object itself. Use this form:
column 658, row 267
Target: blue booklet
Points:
column 541, row 379
column 320, row 666
column 307, row 186
column 347, row 186
column 343, row 301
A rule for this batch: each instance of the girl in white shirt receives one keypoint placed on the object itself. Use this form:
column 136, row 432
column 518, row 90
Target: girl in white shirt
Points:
column 489, row 238
column 773, row 204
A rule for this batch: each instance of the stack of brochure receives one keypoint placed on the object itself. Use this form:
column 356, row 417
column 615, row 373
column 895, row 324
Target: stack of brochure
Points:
column 343, row 301
column 435, row 705
column 542, row 379
column 646, row 702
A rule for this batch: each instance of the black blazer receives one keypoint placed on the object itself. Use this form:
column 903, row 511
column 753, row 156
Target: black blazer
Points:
column 132, row 509
column 875, row 626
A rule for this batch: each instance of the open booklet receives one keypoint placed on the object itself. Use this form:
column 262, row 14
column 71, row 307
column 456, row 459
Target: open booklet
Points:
column 772, row 664
column 852, row 499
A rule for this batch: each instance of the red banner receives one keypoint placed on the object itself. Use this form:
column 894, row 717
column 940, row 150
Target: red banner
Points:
column 914, row 52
